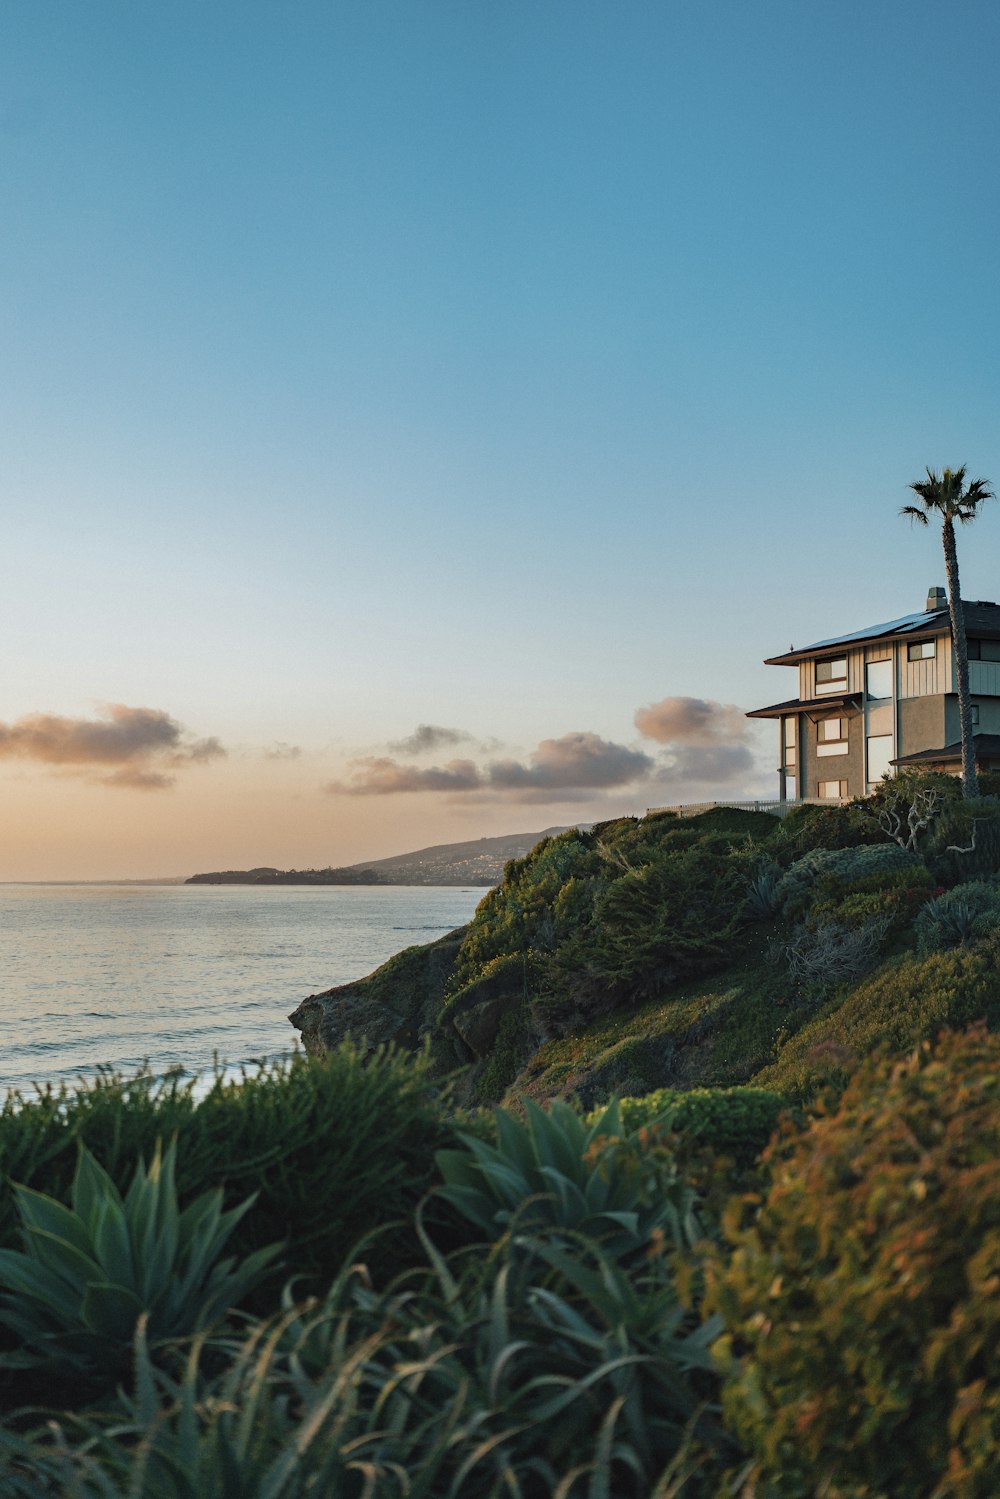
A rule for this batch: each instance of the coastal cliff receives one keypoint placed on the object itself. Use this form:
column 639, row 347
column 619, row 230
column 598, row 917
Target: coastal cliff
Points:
column 708, row 951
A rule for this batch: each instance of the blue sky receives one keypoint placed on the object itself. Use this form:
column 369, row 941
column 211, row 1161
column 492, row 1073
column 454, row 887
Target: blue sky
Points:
column 501, row 367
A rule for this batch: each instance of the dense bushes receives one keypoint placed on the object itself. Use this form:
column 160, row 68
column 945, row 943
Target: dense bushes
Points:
column 333, row 1147
column 958, row 917
column 863, row 1320
column 733, row 1121
column 902, row 1004
column 830, row 873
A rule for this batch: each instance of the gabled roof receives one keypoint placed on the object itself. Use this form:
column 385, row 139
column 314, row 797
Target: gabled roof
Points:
column 982, row 620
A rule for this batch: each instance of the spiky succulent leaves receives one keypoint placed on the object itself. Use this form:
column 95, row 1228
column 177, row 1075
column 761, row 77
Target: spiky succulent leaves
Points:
column 558, row 1170
column 87, row 1273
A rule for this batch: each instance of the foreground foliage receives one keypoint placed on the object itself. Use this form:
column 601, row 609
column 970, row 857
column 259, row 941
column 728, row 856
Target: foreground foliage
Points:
column 861, row 1302
column 88, row 1272
column 331, row 1148
column 539, row 1368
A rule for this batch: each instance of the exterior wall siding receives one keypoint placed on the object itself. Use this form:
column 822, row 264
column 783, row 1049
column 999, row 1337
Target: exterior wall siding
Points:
column 922, row 724
column 984, row 676
column 924, row 678
column 815, row 767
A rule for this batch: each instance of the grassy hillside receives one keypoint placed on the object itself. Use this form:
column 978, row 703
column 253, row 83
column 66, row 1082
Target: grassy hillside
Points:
column 707, row 951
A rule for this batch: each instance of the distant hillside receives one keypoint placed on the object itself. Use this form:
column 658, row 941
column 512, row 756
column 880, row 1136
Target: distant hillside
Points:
column 480, row 862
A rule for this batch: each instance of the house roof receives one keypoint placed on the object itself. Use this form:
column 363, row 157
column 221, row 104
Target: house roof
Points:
column 808, row 705
column 987, row 748
column 982, row 620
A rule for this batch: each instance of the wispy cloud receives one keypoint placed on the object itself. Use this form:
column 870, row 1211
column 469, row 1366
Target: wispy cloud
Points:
column 279, row 750
column 382, row 776
column 138, row 746
column 428, row 737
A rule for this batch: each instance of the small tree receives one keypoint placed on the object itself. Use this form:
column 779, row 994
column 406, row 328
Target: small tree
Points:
column 949, row 499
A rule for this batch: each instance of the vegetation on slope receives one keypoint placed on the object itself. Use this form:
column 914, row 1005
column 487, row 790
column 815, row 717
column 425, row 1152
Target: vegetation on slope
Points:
column 705, row 951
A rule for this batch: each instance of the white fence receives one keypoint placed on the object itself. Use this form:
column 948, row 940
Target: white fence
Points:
column 776, row 808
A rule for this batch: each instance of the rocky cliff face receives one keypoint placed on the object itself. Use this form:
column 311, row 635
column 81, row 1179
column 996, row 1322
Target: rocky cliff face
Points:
column 398, row 1003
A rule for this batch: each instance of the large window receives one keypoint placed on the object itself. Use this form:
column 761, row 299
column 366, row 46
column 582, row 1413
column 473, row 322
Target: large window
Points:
column 879, row 756
column 789, row 740
column 878, row 679
column 832, row 673
column 920, row 650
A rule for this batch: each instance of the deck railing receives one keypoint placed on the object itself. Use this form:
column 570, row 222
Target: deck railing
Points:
column 776, row 808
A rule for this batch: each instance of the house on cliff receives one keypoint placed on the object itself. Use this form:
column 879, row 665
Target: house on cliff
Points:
column 886, row 697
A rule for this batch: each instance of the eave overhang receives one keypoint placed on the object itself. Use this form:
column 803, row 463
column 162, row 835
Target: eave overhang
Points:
column 815, row 707
column 987, row 747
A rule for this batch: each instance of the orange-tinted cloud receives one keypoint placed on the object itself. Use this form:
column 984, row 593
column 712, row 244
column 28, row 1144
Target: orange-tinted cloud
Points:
column 691, row 720
column 142, row 744
column 381, row 776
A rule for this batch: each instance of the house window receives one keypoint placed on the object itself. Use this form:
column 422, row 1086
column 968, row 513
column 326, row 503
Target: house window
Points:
column 879, row 757
column 984, row 650
column 831, row 674
column 975, row 715
column 920, row 650
column 789, row 740
column 878, row 679
column 791, row 788
column 832, row 791
column 831, row 736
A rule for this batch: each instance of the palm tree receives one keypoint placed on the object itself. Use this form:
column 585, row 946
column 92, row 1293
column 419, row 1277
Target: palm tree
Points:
column 948, row 499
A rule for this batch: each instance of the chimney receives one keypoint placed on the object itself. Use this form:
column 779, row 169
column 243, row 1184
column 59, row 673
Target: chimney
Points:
column 936, row 599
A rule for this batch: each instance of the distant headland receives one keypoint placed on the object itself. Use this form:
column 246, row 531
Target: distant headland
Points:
column 479, row 862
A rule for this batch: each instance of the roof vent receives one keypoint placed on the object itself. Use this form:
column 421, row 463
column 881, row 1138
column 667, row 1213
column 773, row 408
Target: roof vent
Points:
column 985, row 604
column 936, row 599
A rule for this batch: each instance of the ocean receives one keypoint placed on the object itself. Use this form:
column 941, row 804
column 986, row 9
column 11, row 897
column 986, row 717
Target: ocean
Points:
column 97, row 976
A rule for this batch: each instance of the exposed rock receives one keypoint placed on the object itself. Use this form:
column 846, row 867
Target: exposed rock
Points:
column 398, row 1003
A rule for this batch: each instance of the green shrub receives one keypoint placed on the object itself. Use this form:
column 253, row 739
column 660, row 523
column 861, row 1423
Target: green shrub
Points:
column 332, row 1147
column 559, row 1171
column 964, row 842
column 863, row 1321
column 809, row 827
column 653, row 927
column 737, row 1122
column 87, row 1273
column 958, row 917
column 829, row 873
column 906, row 1002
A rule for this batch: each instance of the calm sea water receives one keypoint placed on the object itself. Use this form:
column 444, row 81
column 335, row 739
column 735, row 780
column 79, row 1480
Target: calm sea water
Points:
column 117, row 975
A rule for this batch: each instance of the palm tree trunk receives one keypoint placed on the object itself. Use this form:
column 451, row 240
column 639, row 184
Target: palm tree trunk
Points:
column 970, row 782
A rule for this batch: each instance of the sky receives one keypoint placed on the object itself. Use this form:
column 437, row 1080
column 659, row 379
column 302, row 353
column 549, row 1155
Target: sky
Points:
column 420, row 418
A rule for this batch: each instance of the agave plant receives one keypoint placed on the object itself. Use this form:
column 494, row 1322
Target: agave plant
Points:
column 558, row 1170
column 87, row 1273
